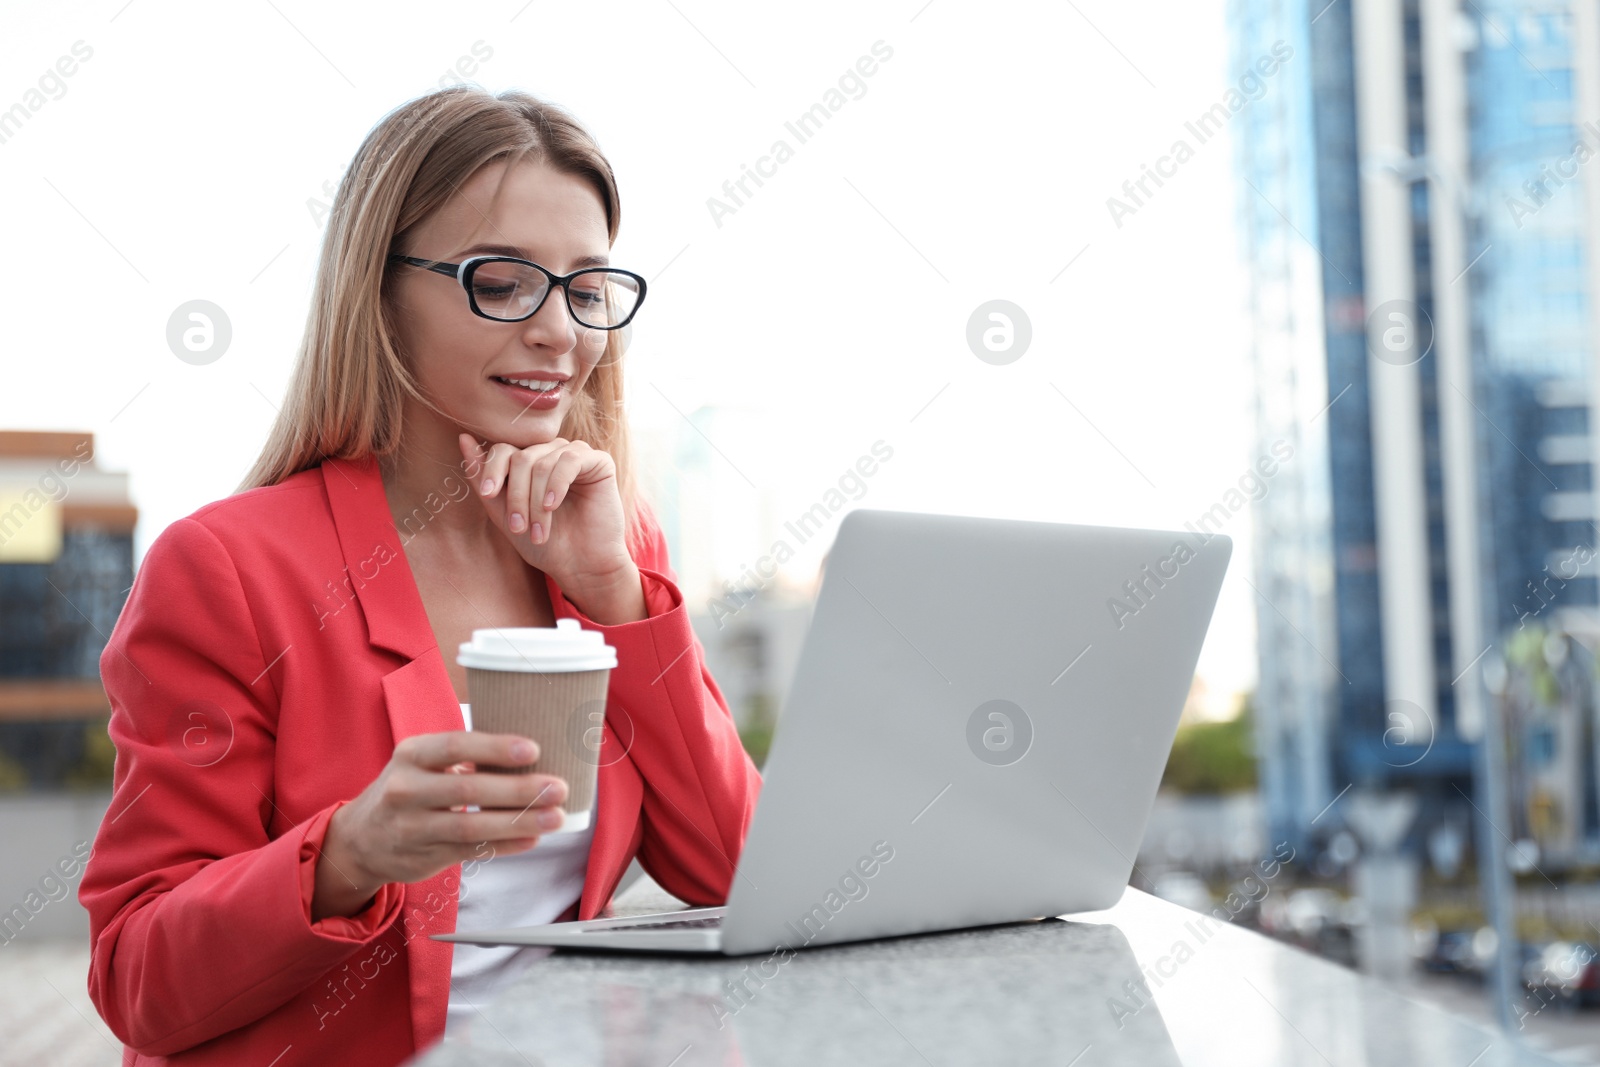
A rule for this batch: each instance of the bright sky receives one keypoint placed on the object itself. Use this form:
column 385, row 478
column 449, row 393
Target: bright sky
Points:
column 177, row 161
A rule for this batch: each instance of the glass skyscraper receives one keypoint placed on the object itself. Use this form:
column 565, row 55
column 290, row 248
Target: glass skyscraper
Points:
column 1418, row 216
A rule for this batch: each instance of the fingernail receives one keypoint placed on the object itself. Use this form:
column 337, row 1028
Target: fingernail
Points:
column 516, row 522
column 523, row 751
column 550, row 498
column 486, row 486
column 551, row 819
column 538, row 533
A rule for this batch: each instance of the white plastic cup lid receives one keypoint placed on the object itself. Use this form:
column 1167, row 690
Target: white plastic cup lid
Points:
column 540, row 649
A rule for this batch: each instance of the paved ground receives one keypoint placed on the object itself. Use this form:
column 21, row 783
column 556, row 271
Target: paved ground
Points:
column 45, row 1013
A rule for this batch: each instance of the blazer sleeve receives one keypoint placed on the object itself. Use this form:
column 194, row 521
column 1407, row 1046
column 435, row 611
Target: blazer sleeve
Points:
column 200, row 917
column 670, row 718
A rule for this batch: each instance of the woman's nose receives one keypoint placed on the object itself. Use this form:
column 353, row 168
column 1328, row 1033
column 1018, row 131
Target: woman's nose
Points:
column 553, row 320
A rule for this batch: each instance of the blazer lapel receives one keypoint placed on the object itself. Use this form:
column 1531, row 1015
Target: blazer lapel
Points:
column 375, row 564
column 417, row 695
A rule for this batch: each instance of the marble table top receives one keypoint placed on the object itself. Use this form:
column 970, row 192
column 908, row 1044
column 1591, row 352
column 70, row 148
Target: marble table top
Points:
column 1142, row 983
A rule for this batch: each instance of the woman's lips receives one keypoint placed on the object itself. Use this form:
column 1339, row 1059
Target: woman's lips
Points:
column 531, row 398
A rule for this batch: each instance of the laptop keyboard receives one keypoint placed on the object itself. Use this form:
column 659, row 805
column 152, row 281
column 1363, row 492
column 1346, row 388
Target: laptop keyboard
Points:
column 670, row 924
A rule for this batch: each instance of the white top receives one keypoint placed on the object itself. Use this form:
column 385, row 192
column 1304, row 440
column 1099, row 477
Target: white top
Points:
column 524, row 889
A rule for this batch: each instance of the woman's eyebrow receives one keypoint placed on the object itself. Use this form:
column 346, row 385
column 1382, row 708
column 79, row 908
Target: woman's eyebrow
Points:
column 521, row 253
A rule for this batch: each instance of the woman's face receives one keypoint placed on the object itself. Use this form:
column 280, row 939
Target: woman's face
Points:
column 462, row 361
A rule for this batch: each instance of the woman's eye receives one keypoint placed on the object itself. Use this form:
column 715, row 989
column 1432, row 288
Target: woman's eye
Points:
column 589, row 297
column 495, row 292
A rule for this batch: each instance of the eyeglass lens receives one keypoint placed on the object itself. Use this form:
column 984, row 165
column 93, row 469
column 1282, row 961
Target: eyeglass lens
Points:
column 511, row 290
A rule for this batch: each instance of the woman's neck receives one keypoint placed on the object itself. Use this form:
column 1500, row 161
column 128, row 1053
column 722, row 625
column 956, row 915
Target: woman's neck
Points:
column 426, row 483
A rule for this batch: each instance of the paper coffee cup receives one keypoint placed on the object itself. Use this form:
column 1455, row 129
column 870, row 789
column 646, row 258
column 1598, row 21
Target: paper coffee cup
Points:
column 547, row 684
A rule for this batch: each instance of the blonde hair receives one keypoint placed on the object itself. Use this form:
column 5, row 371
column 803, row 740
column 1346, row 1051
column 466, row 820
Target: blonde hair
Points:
column 350, row 379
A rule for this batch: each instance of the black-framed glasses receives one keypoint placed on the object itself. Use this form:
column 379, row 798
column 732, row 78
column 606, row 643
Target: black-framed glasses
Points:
column 507, row 289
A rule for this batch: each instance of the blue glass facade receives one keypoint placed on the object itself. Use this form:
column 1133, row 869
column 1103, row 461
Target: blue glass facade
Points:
column 1296, row 569
column 1317, row 571
column 1531, row 320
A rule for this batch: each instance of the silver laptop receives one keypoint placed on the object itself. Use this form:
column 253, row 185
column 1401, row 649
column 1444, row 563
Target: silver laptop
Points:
column 977, row 725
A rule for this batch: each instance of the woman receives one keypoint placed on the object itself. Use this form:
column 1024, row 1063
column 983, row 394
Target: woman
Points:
column 297, row 806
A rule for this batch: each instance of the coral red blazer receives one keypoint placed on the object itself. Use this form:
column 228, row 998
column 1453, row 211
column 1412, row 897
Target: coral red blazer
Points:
column 273, row 650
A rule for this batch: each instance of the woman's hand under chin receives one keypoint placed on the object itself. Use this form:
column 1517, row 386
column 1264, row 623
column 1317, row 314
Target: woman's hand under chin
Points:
column 584, row 548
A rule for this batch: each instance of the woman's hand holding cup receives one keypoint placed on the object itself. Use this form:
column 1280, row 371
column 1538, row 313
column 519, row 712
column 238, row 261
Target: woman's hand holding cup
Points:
column 412, row 821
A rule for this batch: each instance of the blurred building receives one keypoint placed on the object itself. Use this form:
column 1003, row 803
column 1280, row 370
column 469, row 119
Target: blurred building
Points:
column 717, row 524
column 66, row 565
column 1420, row 211
column 753, row 655
column 703, row 473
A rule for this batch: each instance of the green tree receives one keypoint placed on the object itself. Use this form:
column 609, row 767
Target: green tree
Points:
column 1214, row 757
column 757, row 733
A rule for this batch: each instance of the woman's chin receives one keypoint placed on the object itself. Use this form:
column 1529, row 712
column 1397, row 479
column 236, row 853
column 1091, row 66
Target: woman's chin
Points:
column 531, row 428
